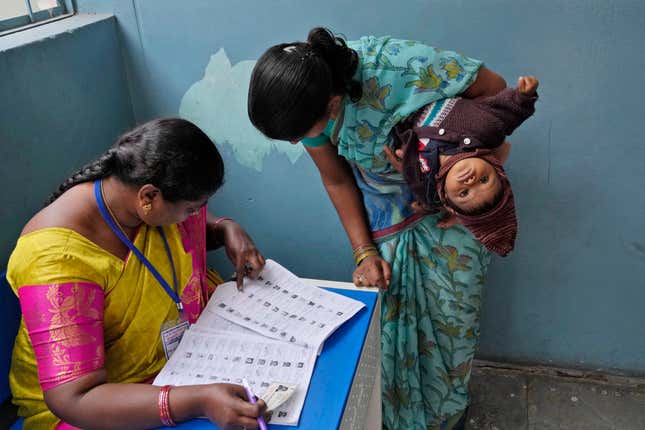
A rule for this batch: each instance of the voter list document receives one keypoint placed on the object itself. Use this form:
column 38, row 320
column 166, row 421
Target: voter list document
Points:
column 270, row 332
column 205, row 357
column 280, row 306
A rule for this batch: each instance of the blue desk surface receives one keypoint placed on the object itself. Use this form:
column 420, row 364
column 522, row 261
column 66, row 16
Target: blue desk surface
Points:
column 333, row 374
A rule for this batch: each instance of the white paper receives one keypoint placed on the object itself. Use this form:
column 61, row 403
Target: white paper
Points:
column 279, row 305
column 208, row 358
column 212, row 322
column 269, row 332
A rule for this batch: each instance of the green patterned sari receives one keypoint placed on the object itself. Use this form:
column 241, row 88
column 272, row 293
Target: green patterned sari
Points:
column 430, row 313
column 430, row 324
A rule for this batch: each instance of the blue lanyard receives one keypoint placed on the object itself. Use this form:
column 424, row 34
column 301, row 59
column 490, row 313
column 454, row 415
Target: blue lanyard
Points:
column 108, row 218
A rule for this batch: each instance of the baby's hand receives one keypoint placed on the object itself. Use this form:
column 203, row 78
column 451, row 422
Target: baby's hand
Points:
column 420, row 208
column 527, row 85
column 448, row 221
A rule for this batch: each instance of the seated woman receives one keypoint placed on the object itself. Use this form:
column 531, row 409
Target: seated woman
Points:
column 117, row 256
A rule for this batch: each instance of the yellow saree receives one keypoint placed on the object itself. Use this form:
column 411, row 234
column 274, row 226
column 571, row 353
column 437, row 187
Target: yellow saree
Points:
column 73, row 286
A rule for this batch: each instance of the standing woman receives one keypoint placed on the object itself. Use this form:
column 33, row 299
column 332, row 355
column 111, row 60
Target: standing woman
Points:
column 117, row 256
column 341, row 100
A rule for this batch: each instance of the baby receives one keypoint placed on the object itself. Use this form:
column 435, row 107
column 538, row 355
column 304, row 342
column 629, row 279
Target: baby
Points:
column 456, row 161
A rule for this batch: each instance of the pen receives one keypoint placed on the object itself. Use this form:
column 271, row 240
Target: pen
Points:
column 252, row 399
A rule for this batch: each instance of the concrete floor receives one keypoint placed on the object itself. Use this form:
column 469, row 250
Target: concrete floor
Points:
column 530, row 398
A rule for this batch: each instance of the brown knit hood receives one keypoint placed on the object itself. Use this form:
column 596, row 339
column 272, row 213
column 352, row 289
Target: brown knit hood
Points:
column 497, row 228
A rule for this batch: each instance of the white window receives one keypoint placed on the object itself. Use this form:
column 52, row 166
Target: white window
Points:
column 16, row 15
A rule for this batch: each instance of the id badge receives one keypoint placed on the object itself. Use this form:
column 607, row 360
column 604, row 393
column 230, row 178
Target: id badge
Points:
column 171, row 334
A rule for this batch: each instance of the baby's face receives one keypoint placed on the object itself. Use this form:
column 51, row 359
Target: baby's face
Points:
column 471, row 183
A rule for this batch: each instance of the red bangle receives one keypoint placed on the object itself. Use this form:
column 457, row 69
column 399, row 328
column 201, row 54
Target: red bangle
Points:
column 218, row 220
column 164, row 407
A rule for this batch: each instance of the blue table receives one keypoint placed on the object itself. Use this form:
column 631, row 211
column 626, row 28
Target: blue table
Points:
column 333, row 374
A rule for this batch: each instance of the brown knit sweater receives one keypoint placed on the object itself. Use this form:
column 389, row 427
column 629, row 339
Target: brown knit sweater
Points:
column 454, row 126
column 480, row 123
column 466, row 127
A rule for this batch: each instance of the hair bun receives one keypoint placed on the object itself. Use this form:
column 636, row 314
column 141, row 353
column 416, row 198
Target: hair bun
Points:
column 341, row 60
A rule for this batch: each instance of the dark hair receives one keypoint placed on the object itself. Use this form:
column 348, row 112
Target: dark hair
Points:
column 292, row 83
column 172, row 154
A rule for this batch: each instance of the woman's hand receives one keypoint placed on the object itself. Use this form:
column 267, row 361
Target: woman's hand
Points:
column 89, row 401
column 373, row 271
column 241, row 250
column 395, row 157
column 502, row 151
column 227, row 406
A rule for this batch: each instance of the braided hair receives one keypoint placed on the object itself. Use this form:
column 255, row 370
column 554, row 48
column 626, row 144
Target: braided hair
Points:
column 172, row 154
column 292, row 83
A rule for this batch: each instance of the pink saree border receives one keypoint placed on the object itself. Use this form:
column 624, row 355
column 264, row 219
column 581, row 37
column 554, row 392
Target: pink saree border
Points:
column 65, row 325
column 193, row 236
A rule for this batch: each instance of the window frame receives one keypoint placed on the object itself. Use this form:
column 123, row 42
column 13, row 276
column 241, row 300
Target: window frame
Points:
column 65, row 9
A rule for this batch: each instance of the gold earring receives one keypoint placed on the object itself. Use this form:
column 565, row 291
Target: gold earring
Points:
column 146, row 208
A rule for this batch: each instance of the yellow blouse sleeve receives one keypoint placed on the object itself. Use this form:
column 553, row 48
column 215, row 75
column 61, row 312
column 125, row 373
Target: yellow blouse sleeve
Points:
column 59, row 255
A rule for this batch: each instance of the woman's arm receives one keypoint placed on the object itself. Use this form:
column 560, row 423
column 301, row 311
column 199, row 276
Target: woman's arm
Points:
column 487, row 83
column 502, row 151
column 240, row 249
column 337, row 177
column 90, row 403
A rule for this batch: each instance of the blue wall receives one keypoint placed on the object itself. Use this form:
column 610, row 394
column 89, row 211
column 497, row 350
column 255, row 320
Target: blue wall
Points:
column 573, row 291
column 64, row 101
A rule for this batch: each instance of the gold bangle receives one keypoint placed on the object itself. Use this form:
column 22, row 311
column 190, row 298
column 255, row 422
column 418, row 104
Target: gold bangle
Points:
column 358, row 249
column 362, row 258
column 365, row 245
column 363, row 255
